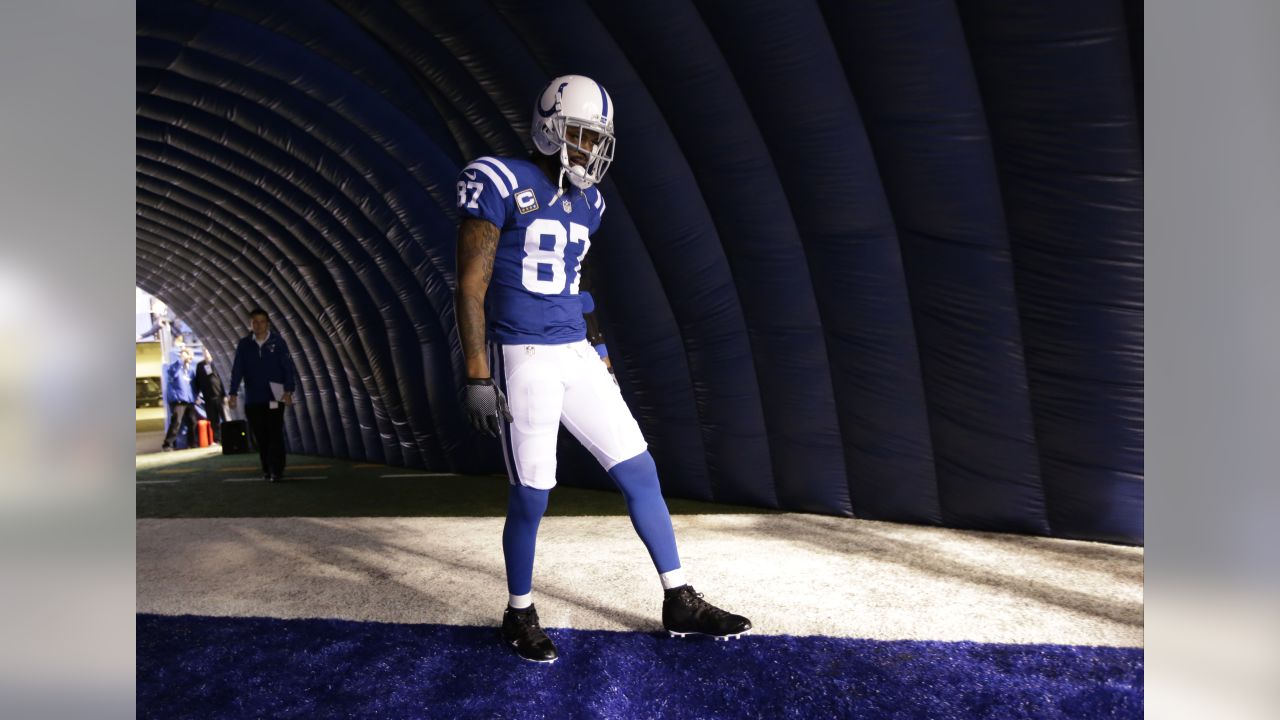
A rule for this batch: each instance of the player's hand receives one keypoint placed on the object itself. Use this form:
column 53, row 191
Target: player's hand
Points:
column 609, row 366
column 287, row 398
column 485, row 406
column 231, row 401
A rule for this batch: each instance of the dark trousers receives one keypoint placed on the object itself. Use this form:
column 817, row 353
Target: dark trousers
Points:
column 179, row 413
column 267, row 427
column 213, row 409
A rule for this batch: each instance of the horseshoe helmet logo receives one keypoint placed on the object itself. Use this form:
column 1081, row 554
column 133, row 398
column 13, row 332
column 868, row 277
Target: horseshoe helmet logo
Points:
column 548, row 112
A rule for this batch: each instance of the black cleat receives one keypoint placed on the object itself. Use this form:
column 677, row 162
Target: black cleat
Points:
column 684, row 612
column 520, row 630
column 268, row 477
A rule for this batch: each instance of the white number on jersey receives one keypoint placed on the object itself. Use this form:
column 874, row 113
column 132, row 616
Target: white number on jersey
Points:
column 535, row 256
column 468, row 192
column 578, row 233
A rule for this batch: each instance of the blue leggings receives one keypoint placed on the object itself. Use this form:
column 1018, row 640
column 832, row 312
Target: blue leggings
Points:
column 637, row 478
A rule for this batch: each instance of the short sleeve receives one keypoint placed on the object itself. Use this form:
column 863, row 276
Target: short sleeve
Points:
column 484, row 190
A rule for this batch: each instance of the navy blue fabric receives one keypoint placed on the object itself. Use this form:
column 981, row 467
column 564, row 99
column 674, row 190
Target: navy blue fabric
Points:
column 259, row 366
column 158, row 249
column 811, row 126
column 879, row 259
column 405, row 358
column 258, row 667
column 421, row 37
column 637, row 478
column 1134, row 23
column 908, row 66
column 403, row 433
column 233, row 222
column 1058, row 94
column 298, row 242
column 759, row 241
column 349, row 48
column 234, row 186
column 323, row 361
column 680, row 234
column 401, row 222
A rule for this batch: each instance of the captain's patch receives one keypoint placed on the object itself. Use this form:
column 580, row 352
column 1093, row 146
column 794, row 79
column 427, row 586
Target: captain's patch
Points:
column 526, row 201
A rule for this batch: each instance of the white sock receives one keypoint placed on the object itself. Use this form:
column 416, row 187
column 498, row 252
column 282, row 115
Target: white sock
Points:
column 672, row 578
column 520, row 602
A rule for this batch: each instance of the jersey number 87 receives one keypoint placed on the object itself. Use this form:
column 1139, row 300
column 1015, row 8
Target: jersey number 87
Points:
column 535, row 256
column 468, row 192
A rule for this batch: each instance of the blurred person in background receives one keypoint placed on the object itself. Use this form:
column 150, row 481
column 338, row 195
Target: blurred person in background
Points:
column 262, row 361
column 181, row 397
column 209, row 385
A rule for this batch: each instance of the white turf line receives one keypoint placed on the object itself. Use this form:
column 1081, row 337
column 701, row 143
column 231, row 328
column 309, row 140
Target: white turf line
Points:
column 791, row 574
column 413, row 475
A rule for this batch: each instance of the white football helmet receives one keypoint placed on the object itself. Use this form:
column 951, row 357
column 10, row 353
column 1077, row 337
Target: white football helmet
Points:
column 570, row 105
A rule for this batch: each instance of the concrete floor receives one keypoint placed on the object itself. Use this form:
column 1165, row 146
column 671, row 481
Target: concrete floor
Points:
column 791, row 573
column 150, row 442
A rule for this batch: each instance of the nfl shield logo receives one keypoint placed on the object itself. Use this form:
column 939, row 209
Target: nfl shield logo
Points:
column 567, row 205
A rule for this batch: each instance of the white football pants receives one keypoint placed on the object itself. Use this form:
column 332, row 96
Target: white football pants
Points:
column 547, row 385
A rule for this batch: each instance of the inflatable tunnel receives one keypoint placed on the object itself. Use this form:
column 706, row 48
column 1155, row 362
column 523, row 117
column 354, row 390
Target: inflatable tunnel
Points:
column 875, row 259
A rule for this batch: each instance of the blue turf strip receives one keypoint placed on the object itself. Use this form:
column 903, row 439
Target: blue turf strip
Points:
column 209, row 667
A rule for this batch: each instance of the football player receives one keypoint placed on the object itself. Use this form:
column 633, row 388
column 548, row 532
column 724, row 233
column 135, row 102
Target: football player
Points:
column 526, row 228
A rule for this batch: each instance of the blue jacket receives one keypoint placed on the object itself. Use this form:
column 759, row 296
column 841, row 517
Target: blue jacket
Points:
column 178, row 383
column 260, row 366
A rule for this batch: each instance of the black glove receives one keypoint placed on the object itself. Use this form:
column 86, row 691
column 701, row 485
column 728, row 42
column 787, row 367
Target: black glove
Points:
column 485, row 406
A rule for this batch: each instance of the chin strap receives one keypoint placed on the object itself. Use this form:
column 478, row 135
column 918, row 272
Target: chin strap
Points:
column 559, row 188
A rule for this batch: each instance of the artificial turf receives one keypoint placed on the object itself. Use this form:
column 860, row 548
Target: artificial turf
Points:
column 209, row 667
column 203, row 483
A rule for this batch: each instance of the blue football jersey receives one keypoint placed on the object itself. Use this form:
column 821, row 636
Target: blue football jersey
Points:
column 533, row 294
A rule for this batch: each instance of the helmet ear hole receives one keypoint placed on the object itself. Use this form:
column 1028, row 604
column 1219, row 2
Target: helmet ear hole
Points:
column 544, row 138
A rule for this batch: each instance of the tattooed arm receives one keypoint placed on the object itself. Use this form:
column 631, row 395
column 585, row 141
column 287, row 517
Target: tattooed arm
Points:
column 477, row 245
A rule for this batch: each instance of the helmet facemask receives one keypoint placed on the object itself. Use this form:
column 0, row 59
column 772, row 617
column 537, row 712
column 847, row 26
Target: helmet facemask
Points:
column 599, row 156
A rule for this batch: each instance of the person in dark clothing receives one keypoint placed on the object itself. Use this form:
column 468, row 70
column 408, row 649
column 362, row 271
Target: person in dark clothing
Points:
column 209, row 385
column 262, row 361
column 180, row 397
